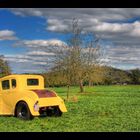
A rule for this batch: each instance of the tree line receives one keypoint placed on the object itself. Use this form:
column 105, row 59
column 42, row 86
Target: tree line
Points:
column 100, row 75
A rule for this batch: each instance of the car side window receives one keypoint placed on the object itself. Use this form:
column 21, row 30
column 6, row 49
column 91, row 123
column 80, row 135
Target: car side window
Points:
column 32, row 82
column 5, row 84
column 14, row 84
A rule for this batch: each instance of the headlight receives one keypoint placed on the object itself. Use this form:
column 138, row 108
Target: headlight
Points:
column 36, row 106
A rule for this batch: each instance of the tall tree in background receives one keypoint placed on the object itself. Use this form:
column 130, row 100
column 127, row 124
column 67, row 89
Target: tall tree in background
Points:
column 85, row 53
column 4, row 67
column 77, row 70
column 80, row 54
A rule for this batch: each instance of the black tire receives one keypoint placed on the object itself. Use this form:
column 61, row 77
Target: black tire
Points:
column 55, row 111
column 23, row 112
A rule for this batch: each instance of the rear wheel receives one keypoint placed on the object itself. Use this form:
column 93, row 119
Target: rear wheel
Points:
column 54, row 111
column 23, row 112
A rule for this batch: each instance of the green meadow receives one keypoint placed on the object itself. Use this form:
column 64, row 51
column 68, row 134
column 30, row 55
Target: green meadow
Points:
column 99, row 109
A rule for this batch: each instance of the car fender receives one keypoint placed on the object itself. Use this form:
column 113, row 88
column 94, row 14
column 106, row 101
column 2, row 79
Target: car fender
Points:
column 30, row 102
column 62, row 106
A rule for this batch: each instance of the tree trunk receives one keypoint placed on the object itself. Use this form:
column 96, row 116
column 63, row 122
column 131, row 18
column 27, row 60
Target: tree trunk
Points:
column 90, row 83
column 68, row 88
column 81, row 86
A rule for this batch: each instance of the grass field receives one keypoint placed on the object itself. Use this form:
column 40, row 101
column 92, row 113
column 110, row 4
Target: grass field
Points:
column 101, row 108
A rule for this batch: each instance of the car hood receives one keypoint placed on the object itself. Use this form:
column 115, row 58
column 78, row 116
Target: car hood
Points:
column 44, row 93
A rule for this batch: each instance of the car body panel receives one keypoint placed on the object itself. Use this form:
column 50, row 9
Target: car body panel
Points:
column 9, row 98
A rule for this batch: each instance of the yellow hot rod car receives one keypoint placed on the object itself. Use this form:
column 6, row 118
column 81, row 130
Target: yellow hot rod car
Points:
column 25, row 97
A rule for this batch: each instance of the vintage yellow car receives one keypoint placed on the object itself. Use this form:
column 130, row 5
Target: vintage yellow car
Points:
column 25, row 97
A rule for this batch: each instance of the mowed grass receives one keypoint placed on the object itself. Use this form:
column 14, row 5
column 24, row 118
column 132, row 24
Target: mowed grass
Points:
column 99, row 109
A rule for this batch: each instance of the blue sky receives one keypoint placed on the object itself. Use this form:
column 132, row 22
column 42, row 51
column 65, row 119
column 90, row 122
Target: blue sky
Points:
column 24, row 34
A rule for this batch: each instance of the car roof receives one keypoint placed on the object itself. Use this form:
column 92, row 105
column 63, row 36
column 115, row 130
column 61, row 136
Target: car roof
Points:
column 21, row 75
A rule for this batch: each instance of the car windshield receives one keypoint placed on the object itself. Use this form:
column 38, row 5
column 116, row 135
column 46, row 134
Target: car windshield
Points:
column 32, row 82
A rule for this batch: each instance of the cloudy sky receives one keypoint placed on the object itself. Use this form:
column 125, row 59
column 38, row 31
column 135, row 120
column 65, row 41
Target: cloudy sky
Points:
column 25, row 33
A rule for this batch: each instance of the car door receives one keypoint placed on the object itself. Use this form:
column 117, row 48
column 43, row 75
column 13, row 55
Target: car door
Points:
column 6, row 96
column 13, row 92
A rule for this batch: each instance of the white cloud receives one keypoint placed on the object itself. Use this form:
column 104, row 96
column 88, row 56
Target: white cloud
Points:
column 40, row 53
column 98, row 20
column 44, row 43
column 29, row 11
column 124, row 56
column 65, row 13
column 61, row 27
column 40, row 63
column 7, row 35
column 17, row 58
column 27, row 63
column 136, row 29
column 113, row 27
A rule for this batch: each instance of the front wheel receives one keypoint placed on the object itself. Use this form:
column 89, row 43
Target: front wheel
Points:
column 23, row 112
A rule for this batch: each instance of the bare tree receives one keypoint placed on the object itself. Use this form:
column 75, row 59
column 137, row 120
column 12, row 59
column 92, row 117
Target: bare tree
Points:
column 79, row 56
column 76, row 59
